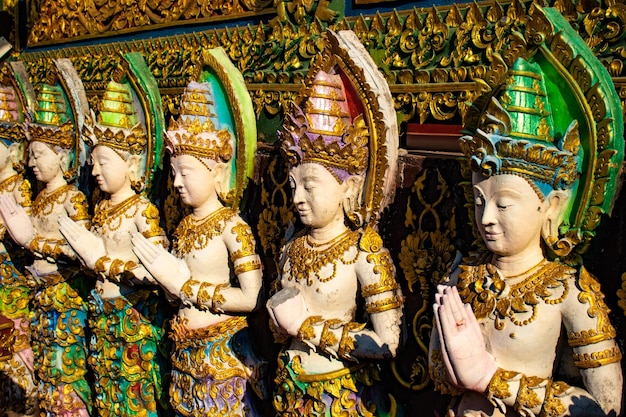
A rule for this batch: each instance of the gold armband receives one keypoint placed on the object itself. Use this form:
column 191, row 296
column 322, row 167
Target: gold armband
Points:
column 306, row 330
column 204, row 297
column 247, row 266
column 378, row 288
column 589, row 337
column 383, row 305
column 245, row 237
column 597, row 359
column 218, row 299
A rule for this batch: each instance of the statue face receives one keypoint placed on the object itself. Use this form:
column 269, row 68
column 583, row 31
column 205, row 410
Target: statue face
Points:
column 45, row 162
column 195, row 182
column 110, row 170
column 509, row 214
column 317, row 195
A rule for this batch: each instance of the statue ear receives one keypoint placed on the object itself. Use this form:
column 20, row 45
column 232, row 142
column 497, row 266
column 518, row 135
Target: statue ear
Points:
column 63, row 160
column 133, row 167
column 221, row 176
column 15, row 153
column 554, row 205
column 353, row 188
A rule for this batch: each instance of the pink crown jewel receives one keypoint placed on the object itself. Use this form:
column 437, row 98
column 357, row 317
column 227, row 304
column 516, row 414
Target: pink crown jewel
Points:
column 325, row 132
column 197, row 131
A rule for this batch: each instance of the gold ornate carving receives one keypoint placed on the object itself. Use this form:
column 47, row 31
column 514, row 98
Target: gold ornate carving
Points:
column 483, row 287
column 59, row 22
column 596, row 359
column 306, row 262
column 246, row 238
column 192, row 235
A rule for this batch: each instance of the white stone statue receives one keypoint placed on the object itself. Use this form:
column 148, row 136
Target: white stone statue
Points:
column 503, row 323
column 59, row 313
column 214, row 271
column 18, row 388
column 126, row 311
column 339, row 303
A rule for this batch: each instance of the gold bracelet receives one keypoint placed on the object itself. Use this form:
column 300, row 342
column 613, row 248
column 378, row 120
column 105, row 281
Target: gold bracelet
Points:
column 247, row 266
column 347, row 343
column 99, row 267
column 378, row 288
column 204, row 298
column 327, row 337
column 527, row 398
column 218, row 299
column 306, row 330
column 597, row 359
column 115, row 270
column 186, row 292
column 129, row 266
column 383, row 305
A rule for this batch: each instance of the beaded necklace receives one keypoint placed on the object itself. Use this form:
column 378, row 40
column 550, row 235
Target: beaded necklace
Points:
column 306, row 261
column 8, row 184
column 46, row 201
column 106, row 214
column 483, row 288
column 194, row 234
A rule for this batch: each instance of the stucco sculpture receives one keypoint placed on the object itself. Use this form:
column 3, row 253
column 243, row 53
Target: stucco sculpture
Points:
column 339, row 304
column 18, row 383
column 59, row 313
column 126, row 318
column 499, row 343
column 213, row 271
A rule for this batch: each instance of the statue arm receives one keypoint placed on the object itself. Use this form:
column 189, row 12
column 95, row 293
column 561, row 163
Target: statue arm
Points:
column 247, row 267
column 592, row 339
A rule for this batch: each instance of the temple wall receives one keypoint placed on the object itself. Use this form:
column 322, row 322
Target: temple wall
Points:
column 435, row 59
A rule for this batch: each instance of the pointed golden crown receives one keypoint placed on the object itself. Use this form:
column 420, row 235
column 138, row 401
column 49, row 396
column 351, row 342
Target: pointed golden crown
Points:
column 515, row 134
column 197, row 131
column 11, row 129
column 325, row 133
column 118, row 126
column 53, row 124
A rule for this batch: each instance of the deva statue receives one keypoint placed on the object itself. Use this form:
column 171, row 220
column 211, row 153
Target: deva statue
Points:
column 126, row 318
column 17, row 384
column 338, row 300
column 214, row 271
column 58, row 319
column 522, row 329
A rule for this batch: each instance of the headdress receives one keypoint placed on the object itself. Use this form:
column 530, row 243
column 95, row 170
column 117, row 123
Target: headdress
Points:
column 326, row 132
column 60, row 110
column 11, row 128
column 217, row 122
column 552, row 116
column 517, row 134
column 198, row 131
column 16, row 95
column 345, row 121
column 131, row 118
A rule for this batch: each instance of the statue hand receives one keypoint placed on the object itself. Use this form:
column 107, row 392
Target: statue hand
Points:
column 288, row 310
column 16, row 220
column 169, row 271
column 469, row 364
column 87, row 246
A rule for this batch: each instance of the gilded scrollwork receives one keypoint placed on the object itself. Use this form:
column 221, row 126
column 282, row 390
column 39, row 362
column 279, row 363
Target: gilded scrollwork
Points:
column 426, row 256
column 435, row 59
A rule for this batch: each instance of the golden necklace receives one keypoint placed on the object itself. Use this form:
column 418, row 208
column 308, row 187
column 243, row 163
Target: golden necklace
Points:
column 45, row 200
column 483, row 288
column 194, row 234
column 8, row 184
column 106, row 213
column 307, row 261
